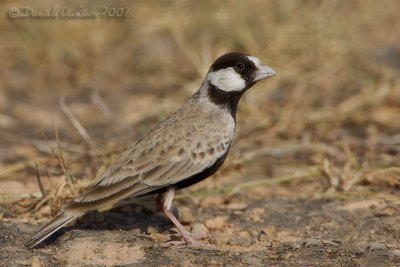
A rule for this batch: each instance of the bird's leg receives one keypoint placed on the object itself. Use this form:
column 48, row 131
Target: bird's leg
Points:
column 166, row 207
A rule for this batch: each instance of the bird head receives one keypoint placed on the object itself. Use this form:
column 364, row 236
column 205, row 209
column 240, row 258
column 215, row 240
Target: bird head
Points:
column 236, row 72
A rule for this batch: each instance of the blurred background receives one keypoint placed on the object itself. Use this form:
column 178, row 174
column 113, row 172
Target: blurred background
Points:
column 74, row 92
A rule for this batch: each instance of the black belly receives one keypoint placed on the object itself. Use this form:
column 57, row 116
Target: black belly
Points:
column 195, row 178
column 202, row 175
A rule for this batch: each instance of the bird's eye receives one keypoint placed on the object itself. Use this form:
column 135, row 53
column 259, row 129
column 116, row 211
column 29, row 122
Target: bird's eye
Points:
column 240, row 66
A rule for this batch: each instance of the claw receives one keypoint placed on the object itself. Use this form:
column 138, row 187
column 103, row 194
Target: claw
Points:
column 165, row 207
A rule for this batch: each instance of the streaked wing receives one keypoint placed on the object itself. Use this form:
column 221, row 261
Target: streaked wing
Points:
column 163, row 158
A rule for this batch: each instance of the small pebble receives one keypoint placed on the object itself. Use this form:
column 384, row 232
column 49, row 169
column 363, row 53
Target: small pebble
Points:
column 295, row 245
column 329, row 242
column 161, row 238
column 376, row 246
column 264, row 238
column 36, row 262
column 211, row 201
column 312, row 242
column 46, row 210
column 251, row 260
column 135, row 231
column 151, row 230
column 199, row 230
column 395, row 252
column 237, row 206
column 242, row 239
column 269, row 233
column 391, row 245
column 219, row 238
column 185, row 215
column 215, row 223
column 357, row 249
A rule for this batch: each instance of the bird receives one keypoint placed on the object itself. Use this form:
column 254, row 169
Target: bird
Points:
column 189, row 146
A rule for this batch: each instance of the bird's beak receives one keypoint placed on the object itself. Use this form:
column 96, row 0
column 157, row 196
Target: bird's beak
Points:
column 264, row 72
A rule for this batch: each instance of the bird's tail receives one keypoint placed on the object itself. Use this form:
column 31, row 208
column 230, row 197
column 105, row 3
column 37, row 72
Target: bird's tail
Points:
column 98, row 196
column 59, row 221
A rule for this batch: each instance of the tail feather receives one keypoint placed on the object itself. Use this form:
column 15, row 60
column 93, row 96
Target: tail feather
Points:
column 90, row 201
column 59, row 221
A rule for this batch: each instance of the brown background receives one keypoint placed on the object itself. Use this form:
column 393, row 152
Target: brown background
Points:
column 313, row 175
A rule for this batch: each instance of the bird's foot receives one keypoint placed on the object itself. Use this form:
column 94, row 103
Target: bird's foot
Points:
column 192, row 239
column 187, row 238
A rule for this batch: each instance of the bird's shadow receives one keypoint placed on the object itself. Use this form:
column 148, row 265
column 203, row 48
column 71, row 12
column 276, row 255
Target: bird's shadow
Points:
column 125, row 217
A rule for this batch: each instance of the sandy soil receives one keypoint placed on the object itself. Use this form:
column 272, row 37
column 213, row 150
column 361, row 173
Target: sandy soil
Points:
column 268, row 231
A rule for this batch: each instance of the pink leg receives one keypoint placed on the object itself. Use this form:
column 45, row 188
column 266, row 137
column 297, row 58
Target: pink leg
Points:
column 166, row 207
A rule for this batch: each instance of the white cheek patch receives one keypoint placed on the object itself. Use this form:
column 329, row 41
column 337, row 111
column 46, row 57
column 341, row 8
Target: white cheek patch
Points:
column 227, row 80
column 255, row 60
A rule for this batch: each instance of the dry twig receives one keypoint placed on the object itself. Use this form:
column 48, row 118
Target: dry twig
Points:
column 39, row 181
column 75, row 122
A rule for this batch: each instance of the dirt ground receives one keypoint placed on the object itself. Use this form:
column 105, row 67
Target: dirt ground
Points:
column 313, row 175
column 256, row 232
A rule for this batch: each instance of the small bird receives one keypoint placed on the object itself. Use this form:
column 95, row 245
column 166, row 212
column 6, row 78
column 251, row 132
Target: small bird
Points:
column 186, row 148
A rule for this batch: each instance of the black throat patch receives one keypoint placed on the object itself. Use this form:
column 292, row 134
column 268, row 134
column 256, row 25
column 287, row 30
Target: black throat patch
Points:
column 223, row 99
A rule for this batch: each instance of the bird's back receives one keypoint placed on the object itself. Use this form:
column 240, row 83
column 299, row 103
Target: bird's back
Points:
column 188, row 143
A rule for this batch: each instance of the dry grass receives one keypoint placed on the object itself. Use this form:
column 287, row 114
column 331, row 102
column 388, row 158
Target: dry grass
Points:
column 74, row 92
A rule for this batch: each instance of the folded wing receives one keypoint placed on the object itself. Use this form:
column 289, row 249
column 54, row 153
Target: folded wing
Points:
column 162, row 159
